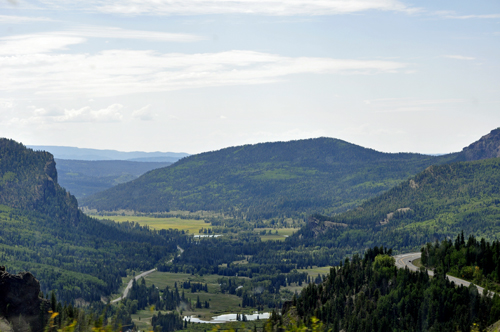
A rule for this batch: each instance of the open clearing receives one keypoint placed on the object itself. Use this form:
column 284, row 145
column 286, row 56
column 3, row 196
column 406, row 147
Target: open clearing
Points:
column 313, row 273
column 282, row 234
column 219, row 303
column 191, row 225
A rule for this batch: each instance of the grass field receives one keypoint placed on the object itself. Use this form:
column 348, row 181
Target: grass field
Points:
column 219, row 303
column 315, row 270
column 142, row 319
column 281, row 236
column 191, row 225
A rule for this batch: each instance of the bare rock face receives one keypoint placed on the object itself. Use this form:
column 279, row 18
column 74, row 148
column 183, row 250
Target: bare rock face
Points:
column 487, row 147
column 50, row 169
column 20, row 303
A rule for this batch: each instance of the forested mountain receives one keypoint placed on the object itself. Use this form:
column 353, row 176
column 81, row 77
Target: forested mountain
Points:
column 437, row 203
column 86, row 177
column 268, row 179
column 43, row 231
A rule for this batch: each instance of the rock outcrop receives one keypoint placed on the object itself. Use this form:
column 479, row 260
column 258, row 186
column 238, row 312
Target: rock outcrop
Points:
column 322, row 226
column 487, row 147
column 20, row 303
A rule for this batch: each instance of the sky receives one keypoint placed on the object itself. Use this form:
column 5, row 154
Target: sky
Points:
column 200, row 75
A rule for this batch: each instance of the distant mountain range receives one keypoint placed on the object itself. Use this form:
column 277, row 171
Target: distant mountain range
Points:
column 84, row 172
column 86, row 177
column 266, row 180
column 73, row 153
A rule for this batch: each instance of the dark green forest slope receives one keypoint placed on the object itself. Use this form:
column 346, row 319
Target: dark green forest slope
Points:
column 86, row 177
column 471, row 259
column 438, row 202
column 268, row 179
column 43, row 231
column 372, row 295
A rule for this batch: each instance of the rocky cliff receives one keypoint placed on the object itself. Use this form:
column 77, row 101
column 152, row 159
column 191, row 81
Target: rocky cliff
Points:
column 20, row 303
column 28, row 181
column 487, row 147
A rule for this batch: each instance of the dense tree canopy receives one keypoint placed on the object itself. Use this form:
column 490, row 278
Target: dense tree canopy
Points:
column 371, row 294
column 268, row 179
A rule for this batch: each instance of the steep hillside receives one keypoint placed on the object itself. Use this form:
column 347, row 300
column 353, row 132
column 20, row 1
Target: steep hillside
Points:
column 268, row 179
column 43, row 231
column 438, row 202
column 86, row 177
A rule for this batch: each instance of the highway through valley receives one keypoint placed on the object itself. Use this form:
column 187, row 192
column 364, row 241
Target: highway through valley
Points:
column 143, row 274
column 407, row 259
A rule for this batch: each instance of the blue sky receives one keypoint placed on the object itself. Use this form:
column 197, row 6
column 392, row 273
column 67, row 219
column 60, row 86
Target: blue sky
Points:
column 199, row 75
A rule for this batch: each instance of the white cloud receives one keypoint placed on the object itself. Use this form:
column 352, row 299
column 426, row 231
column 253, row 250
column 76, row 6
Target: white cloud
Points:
column 36, row 43
column 145, row 113
column 60, row 40
column 118, row 72
column 202, row 7
column 118, row 33
column 459, row 57
column 6, row 103
column 86, row 114
column 12, row 19
column 40, row 112
column 467, row 17
column 47, row 111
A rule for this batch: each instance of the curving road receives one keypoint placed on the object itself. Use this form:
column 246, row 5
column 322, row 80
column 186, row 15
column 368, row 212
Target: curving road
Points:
column 407, row 259
column 143, row 274
column 129, row 285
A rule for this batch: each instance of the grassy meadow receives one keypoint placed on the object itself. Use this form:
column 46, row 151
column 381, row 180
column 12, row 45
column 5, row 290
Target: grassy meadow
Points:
column 282, row 234
column 219, row 303
column 313, row 273
column 192, row 226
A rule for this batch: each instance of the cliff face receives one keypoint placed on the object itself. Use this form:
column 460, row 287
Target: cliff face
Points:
column 27, row 178
column 28, row 181
column 487, row 147
column 20, row 303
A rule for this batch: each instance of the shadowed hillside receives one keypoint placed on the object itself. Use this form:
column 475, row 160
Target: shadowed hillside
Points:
column 43, row 231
